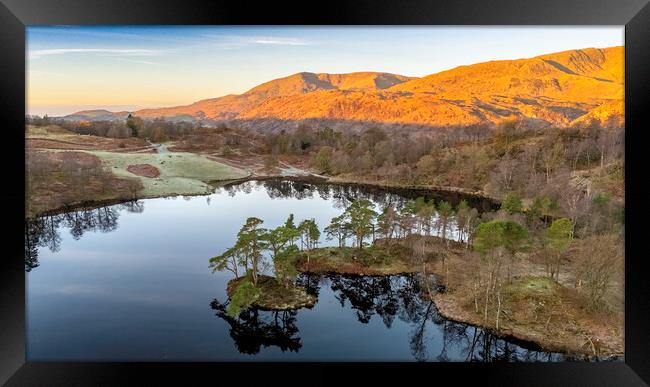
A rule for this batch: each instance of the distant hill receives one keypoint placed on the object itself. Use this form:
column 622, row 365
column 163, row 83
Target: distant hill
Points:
column 550, row 90
column 97, row 115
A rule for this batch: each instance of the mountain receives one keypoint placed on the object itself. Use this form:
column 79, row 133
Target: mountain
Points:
column 576, row 75
column 96, row 115
column 230, row 106
column 549, row 90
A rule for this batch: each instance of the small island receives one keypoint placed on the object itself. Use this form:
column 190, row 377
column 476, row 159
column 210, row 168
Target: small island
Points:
column 255, row 289
column 273, row 295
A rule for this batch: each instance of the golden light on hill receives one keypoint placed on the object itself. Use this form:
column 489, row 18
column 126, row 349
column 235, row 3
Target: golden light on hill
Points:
column 559, row 89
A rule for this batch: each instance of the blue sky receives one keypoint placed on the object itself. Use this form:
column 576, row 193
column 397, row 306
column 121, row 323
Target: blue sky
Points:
column 71, row 67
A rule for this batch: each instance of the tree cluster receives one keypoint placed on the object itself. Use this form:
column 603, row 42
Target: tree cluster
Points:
column 248, row 253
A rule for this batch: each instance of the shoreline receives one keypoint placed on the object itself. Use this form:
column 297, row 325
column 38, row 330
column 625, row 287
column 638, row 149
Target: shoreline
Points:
column 479, row 194
column 447, row 307
column 307, row 178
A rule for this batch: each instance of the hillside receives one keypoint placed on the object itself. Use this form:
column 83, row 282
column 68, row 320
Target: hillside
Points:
column 576, row 76
column 228, row 107
column 608, row 115
column 557, row 89
column 97, row 115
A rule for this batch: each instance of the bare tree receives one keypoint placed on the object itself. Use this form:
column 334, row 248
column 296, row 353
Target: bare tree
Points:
column 599, row 265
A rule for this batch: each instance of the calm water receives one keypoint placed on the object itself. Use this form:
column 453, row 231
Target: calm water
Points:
column 131, row 282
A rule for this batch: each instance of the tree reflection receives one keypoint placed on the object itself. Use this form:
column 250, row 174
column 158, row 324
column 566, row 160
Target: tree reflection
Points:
column 417, row 342
column 462, row 342
column 385, row 296
column 135, row 206
column 102, row 219
column 401, row 297
column 33, row 233
column 254, row 328
column 310, row 282
column 343, row 195
column 44, row 231
column 478, row 345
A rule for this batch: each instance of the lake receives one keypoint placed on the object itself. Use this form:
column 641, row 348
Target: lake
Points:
column 131, row 282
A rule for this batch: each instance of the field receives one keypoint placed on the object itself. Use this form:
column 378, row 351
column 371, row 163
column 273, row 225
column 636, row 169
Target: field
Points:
column 180, row 173
column 66, row 169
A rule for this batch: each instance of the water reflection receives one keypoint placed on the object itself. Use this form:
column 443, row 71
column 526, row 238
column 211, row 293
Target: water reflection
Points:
column 431, row 336
column 385, row 296
column 44, row 230
column 254, row 328
column 344, row 194
column 402, row 297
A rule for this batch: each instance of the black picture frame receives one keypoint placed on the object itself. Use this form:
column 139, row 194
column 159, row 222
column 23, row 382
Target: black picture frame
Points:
column 16, row 14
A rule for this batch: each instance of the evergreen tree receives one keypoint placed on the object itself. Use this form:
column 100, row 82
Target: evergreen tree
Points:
column 337, row 229
column 512, row 203
column 360, row 220
column 558, row 237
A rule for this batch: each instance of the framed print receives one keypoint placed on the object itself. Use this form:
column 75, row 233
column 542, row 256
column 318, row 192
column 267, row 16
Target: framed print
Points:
column 381, row 190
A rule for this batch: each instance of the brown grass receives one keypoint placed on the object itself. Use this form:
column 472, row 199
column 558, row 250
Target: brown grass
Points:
column 50, row 176
column 534, row 308
column 145, row 170
column 81, row 142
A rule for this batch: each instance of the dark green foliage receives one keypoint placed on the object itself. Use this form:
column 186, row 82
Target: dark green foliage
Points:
column 309, row 233
column 252, row 240
column 135, row 124
column 322, row 160
column 495, row 234
column 229, row 260
column 244, row 296
column 445, row 213
column 557, row 239
column 512, row 203
column 360, row 220
column 285, row 266
column 337, row 230
column 559, row 235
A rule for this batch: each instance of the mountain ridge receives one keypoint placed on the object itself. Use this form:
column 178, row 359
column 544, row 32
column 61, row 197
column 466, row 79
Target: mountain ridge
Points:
column 555, row 89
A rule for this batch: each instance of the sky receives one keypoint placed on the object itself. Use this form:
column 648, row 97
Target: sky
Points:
column 71, row 68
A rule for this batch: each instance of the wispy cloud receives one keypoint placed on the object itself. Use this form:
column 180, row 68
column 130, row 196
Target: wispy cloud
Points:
column 281, row 41
column 35, row 54
column 230, row 41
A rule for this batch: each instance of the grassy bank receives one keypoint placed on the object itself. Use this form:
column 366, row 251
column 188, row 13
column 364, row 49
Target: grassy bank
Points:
column 347, row 260
column 539, row 310
column 58, row 178
column 274, row 296
column 531, row 306
column 383, row 257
